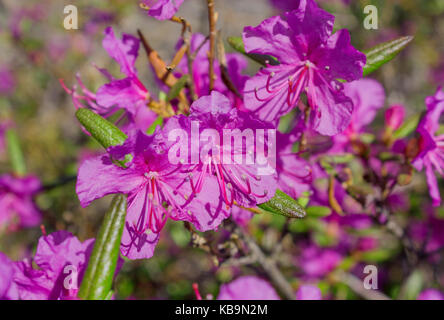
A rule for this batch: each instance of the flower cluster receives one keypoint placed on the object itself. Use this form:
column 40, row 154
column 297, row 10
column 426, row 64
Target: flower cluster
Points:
column 216, row 149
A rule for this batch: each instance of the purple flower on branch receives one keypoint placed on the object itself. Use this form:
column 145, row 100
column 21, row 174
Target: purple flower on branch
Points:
column 311, row 60
column 156, row 189
column 227, row 146
column 431, row 146
column 247, row 288
column 17, row 208
column 61, row 260
column 162, row 9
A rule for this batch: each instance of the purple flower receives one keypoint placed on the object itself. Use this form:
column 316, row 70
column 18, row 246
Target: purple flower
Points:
column 431, row 294
column 429, row 232
column 317, row 262
column 8, row 289
column 162, row 9
column 241, row 216
column 394, row 116
column 128, row 93
column 308, row 292
column 431, row 147
column 236, row 64
column 7, row 81
column 17, row 208
column 247, row 288
column 368, row 97
column 156, row 189
column 294, row 173
column 242, row 171
column 61, row 260
column 311, row 60
column 288, row 5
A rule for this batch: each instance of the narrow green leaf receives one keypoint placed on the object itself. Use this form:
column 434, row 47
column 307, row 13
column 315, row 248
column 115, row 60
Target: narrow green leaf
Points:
column 98, row 279
column 106, row 133
column 383, row 53
column 15, row 153
column 408, row 127
column 304, row 199
column 237, row 44
column 154, row 125
column 177, row 87
column 284, row 205
column 318, row 211
column 412, row 286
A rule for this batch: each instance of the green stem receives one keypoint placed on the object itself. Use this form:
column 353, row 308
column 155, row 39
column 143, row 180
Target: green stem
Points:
column 15, row 153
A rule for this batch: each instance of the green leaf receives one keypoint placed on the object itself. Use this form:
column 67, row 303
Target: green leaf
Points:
column 106, row 133
column 98, row 279
column 412, row 286
column 383, row 53
column 237, row 44
column 177, row 87
column 377, row 255
column 284, row 205
column 408, row 127
column 304, row 199
column 15, row 153
column 318, row 211
column 154, row 125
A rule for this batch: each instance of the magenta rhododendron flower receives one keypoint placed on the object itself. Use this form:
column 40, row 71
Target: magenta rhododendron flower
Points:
column 431, row 294
column 58, row 256
column 247, row 288
column 236, row 64
column 7, row 81
column 294, row 173
column 394, row 116
column 128, row 93
column 242, row 171
column 429, row 232
column 317, row 262
column 311, row 59
column 8, row 289
column 308, row 292
column 288, row 5
column 156, row 189
column 431, row 146
column 162, row 9
column 17, row 208
column 368, row 97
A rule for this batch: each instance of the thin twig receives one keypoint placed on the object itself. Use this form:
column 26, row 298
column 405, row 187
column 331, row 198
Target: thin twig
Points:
column 357, row 286
column 211, row 54
column 224, row 67
column 268, row 265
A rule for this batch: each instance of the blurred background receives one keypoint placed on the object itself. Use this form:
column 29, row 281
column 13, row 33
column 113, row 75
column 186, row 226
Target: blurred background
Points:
column 36, row 51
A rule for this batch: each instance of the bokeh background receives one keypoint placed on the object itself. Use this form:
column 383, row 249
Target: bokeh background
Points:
column 36, row 51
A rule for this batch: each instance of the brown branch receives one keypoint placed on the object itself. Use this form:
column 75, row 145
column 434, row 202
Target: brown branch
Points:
column 224, row 68
column 212, row 24
column 268, row 265
column 357, row 286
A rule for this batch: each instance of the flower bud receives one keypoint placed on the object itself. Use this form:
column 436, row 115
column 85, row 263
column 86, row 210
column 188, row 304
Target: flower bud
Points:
column 394, row 116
